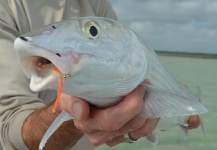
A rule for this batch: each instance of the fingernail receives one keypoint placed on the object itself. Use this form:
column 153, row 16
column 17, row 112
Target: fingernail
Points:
column 141, row 91
column 77, row 110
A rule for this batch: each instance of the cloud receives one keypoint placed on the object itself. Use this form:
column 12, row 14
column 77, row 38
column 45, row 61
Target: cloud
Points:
column 174, row 25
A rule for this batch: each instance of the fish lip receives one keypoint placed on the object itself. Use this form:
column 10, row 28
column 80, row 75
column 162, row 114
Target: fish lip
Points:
column 44, row 64
column 31, row 56
column 39, row 66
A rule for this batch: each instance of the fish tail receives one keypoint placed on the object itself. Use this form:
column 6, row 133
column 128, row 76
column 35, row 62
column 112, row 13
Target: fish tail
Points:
column 62, row 117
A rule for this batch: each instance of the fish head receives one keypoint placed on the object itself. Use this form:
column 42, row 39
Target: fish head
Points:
column 100, row 58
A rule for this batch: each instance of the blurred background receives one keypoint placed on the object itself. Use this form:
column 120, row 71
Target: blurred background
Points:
column 184, row 34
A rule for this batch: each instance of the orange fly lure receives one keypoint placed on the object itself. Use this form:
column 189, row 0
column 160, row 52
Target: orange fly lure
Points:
column 60, row 88
column 60, row 83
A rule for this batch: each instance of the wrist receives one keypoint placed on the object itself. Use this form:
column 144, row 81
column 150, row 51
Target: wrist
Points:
column 37, row 123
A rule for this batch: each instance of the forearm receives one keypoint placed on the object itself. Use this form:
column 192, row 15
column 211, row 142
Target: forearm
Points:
column 38, row 122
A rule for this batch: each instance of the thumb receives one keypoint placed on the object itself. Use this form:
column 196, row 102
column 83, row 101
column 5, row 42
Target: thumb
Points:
column 77, row 107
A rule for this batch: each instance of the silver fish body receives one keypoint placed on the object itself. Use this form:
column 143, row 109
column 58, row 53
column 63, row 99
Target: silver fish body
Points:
column 106, row 61
column 108, row 66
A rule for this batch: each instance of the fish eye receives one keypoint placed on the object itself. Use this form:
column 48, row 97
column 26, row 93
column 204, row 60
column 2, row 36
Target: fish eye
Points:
column 92, row 30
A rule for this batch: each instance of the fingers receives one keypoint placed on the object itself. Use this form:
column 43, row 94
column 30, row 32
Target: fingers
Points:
column 106, row 124
column 194, row 122
column 137, row 128
column 113, row 118
column 144, row 131
column 113, row 138
column 116, row 141
column 99, row 137
column 110, row 124
column 77, row 107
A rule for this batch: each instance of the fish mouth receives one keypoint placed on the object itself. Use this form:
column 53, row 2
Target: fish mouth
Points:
column 41, row 72
column 37, row 66
column 44, row 69
column 38, row 61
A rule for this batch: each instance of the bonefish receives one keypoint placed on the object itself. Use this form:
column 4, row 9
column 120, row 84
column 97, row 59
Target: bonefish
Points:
column 101, row 61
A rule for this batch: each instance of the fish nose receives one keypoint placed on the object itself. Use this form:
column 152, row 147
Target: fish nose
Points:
column 23, row 38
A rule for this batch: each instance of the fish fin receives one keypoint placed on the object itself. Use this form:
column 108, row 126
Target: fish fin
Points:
column 153, row 137
column 183, row 124
column 184, row 131
column 198, row 95
column 166, row 96
column 62, row 117
column 160, row 103
column 202, row 127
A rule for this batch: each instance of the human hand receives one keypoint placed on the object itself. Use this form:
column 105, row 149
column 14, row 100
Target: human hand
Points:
column 194, row 122
column 109, row 125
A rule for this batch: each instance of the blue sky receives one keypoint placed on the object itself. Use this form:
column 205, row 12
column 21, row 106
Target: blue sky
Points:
column 172, row 25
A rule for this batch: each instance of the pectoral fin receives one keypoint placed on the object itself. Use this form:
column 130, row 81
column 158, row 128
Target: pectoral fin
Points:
column 153, row 137
column 161, row 103
column 184, row 131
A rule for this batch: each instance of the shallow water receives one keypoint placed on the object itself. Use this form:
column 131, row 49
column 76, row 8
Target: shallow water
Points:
column 196, row 72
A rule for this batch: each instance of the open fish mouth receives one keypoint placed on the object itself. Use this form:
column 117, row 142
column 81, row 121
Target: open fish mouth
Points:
column 43, row 73
column 38, row 61
column 38, row 66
